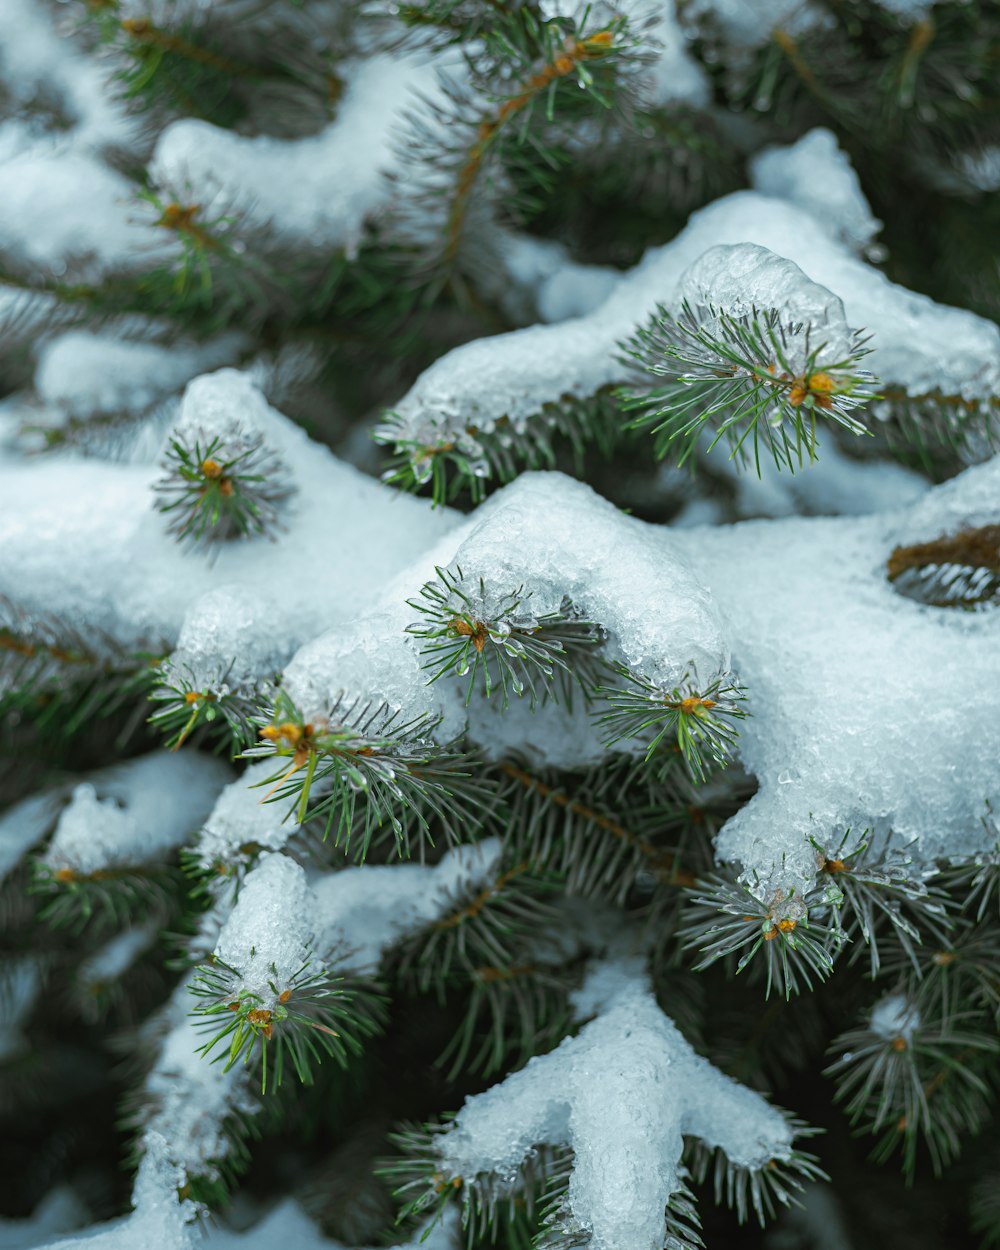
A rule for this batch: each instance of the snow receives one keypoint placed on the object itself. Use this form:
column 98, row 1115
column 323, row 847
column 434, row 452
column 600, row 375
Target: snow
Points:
column 738, row 280
column 24, row 825
column 189, row 1098
column 338, row 175
column 288, row 1225
column 622, row 1094
column 362, row 912
column 159, row 1219
column 747, row 24
column 817, row 176
column 37, row 62
column 84, row 372
column 241, row 819
column 918, row 345
column 222, row 647
column 103, row 558
column 115, row 957
column 894, row 1017
column 839, row 670
column 60, row 1211
column 555, row 537
column 41, row 224
column 136, row 812
column 267, row 937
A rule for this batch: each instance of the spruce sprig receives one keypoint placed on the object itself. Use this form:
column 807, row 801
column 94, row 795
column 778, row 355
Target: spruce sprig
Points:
column 216, row 489
column 923, row 1084
column 312, row 1016
column 752, row 925
column 699, row 720
column 499, row 643
column 465, row 460
column 879, row 893
column 759, row 1191
column 734, row 375
column 186, row 705
column 364, row 768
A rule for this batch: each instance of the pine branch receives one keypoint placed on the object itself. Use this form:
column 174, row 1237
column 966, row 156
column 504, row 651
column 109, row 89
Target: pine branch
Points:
column 228, row 712
column 762, row 1191
column 871, row 895
column 734, row 375
column 959, row 570
column 467, row 461
column 364, row 768
column 500, row 644
column 772, row 928
column 216, row 491
column 602, row 830
column 312, row 1016
column 915, row 1081
column 699, row 720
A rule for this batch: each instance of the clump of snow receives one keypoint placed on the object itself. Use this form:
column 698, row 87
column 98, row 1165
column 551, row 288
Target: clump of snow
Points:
column 36, row 61
column 917, row 345
column 622, row 1094
column 222, row 647
column 135, row 813
column 858, row 716
column 84, row 372
column 189, row 1098
column 741, row 279
column 554, row 538
column 362, row 912
column 103, row 560
column 41, row 224
column 267, row 936
column 240, row 822
column 816, row 175
column 338, row 175
column 895, row 1017
column 287, row 1224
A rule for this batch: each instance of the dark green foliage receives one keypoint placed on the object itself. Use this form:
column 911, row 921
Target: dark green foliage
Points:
column 312, row 1016
column 755, row 926
column 215, row 489
column 732, row 375
column 500, row 643
column 700, row 721
column 365, row 768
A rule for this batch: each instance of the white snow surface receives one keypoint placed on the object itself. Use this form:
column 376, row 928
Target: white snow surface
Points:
column 104, row 560
column 919, row 345
column 555, row 537
column 240, row 817
column 41, row 224
column 84, row 372
column 894, row 1017
column 623, row 1093
column 136, row 812
column 816, row 175
column 338, row 176
column 867, row 709
column 268, row 934
column 37, row 61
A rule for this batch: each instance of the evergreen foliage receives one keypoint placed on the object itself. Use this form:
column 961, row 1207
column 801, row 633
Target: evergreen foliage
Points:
column 419, row 900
